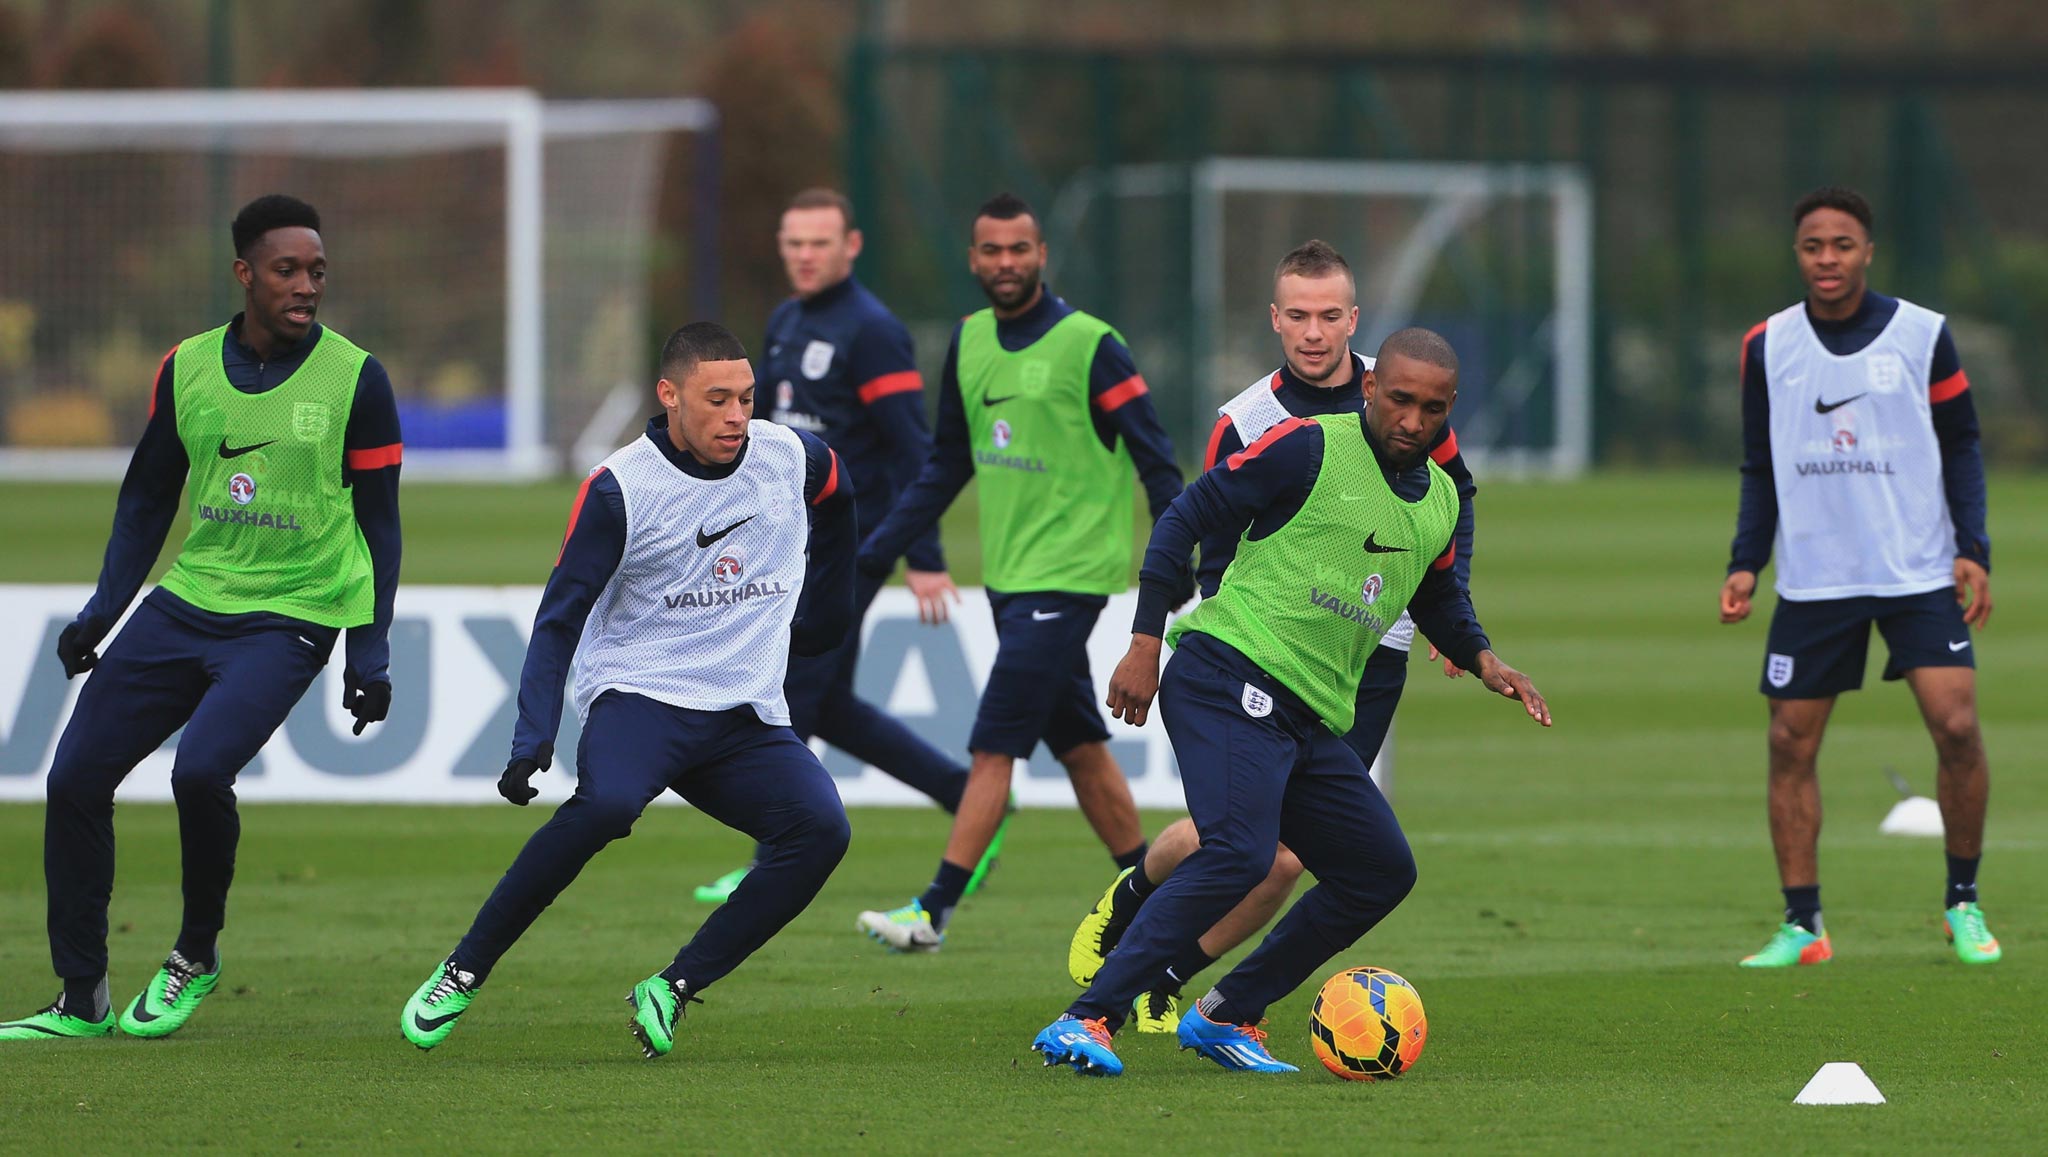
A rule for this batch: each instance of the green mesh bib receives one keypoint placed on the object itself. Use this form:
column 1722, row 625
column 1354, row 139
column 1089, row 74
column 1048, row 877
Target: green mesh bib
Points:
column 273, row 529
column 1056, row 507
column 1309, row 602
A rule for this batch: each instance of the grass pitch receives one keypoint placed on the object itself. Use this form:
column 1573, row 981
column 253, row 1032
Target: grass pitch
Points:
column 1584, row 895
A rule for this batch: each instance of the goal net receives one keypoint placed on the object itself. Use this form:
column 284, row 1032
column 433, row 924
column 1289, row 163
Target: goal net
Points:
column 489, row 247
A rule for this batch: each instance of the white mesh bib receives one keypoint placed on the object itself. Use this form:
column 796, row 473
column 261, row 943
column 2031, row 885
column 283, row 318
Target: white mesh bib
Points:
column 1253, row 412
column 698, row 613
column 1861, row 510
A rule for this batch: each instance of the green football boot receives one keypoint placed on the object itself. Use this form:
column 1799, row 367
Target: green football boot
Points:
column 1157, row 1011
column 53, row 1023
column 1099, row 932
column 720, row 890
column 657, row 1010
column 170, row 998
column 995, row 850
column 1792, row 945
column 1974, row 943
column 433, row 1010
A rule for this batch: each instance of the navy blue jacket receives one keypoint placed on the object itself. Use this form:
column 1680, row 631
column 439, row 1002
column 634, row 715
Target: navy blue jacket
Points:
column 1955, row 429
column 839, row 365
column 1306, row 400
column 596, row 541
column 150, row 493
column 1120, row 407
column 1256, row 492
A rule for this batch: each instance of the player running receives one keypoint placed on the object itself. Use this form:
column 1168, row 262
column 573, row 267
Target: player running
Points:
column 842, row 368
column 1315, row 312
column 696, row 558
column 284, row 435
column 1861, row 465
column 1340, row 518
column 1043, row 404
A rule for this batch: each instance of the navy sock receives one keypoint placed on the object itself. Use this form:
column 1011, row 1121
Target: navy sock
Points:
column 1140, row 885
column 1216, row 1008
column 944, row 895
column 1962, row 881
column 1184, row 969
column 1135, row 858
column 85, row 997
column 1802, row 907
column 199, row 948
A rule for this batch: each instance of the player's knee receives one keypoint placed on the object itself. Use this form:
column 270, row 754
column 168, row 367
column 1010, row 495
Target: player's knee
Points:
column 827, row 834
column 1955, row 732
column 1242, row 868
column 1794, row 741
column 194, row 780
column 613, row 815
column 1400, row 874
column 70, row 789
column 1286, row 868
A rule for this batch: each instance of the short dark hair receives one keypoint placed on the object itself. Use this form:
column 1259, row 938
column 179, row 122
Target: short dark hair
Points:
column 820, row 197
column 1424, row 345
column 271, row 211
column 1006, row 206
column 699, row 341
column 1836, row 197
column 1312, row 259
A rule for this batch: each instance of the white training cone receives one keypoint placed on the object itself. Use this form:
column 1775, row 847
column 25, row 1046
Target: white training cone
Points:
column 1913, row 816
column 1839, row 1083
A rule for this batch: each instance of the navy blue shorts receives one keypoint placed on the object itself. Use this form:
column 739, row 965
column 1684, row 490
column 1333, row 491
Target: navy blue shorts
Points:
column 1040, row 687
column 1817, row 649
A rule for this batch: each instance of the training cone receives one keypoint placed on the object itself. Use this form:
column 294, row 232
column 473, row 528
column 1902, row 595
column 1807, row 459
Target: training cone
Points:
column 1839, row 1083
column 1914, row 816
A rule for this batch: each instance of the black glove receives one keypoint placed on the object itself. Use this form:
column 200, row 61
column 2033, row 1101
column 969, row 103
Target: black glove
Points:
column 368, row 702
column 74, row 652
column 513, row 786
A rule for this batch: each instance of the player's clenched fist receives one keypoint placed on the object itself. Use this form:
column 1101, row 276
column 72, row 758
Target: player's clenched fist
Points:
column 1735, row 595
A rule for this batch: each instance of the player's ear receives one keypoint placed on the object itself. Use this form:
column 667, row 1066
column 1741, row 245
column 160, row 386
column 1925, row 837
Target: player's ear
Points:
column 244, row 274
column 668, row 393
column 1273, row 309
column 853, row 244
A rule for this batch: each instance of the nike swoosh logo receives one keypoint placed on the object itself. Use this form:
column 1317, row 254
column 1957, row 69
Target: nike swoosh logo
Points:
column 425, row 1025
column 1820, row 407
column 704, row 539
column 1372, row 547
column 999, row 401
column 142, row 1013
column 1044, row 616
column 227, row 451
column 1959, row 646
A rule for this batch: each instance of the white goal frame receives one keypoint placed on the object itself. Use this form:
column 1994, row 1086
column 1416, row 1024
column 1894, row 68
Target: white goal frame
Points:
column 1454, row 192
column 354, row 123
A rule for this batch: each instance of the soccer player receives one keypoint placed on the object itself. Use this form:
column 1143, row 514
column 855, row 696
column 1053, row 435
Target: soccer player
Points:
column 696, row 558
column 1861, row 466
column 284, row 436
column 1344, row 521
column 1315, row 312
column 843, row 369
column 1044, row 405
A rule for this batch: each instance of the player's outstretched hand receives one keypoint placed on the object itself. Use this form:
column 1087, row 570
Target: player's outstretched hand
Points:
column 368, row 702
column 1135, row 681
column 1973, row 591
column 513, row 786
column 1736, row 593
column 1451, row 668
column 74, row 652
column 1505, row 680
column 931, row 588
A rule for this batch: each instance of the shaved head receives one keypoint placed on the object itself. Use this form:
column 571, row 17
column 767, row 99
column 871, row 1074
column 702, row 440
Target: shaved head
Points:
column 1422, row 345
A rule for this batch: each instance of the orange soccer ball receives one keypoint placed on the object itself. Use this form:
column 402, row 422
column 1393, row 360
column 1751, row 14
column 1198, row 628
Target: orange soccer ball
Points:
column 1367, row 1024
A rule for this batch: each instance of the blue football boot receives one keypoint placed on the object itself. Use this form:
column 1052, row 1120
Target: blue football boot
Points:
column 1083, row 1044
column 1234, row 1046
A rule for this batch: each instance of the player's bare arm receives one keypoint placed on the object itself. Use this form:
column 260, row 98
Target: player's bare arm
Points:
column 1135, row 682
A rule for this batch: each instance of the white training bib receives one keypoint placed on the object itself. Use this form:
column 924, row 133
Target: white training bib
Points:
column 698, row 613
column 1861, row 510
column 1253, row 412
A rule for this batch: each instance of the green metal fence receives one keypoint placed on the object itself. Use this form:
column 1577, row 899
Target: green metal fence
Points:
column 1694, row 162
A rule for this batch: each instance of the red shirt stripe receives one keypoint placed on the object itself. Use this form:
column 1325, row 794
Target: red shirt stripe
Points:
column 900, row 382
column 1448, row 557
column 1949, row 387
column 1448, row 450
column 159, row 375
column 576, row 511
column 1215, row 443
column 1275, row 382
column 1751, row 336
column 831, row 480
column 1113, row 398
column 376, row 457
column 1273, row 435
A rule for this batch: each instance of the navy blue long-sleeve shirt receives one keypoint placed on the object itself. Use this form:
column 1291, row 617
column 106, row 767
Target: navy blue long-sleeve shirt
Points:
column 596, row 542
column 1305, row 399
column 150, row 492
column 1120, row 406
column 1256, row 492
column 1953, row 412
column 841, row 366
